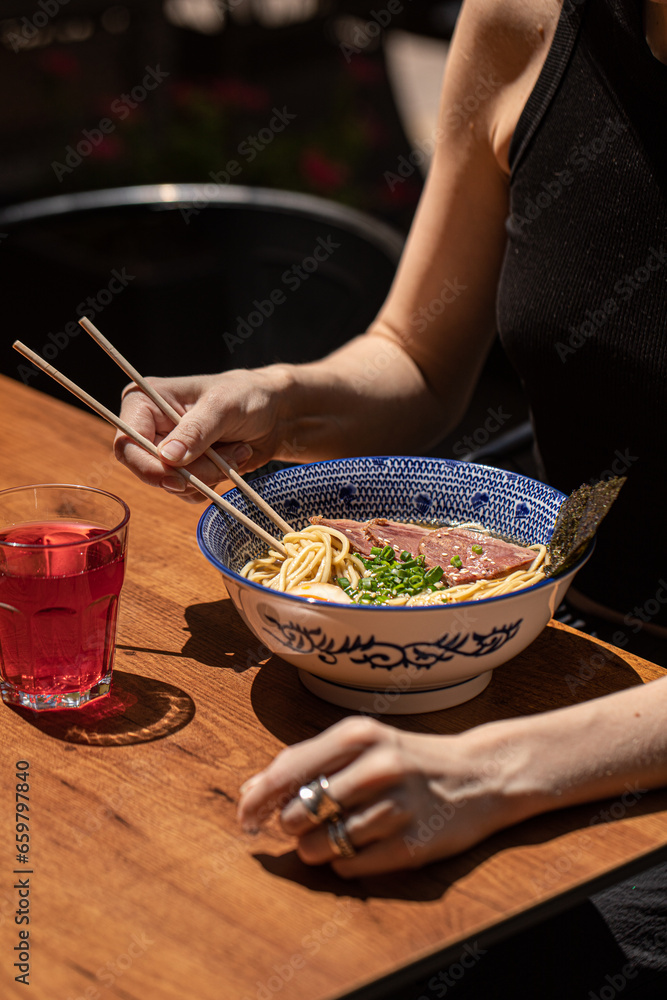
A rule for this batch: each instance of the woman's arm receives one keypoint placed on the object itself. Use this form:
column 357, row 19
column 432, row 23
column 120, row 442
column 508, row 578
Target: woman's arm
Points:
column 397, row 787
column 407, row 381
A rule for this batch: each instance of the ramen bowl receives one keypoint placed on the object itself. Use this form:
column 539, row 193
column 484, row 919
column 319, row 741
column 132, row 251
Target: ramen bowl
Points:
column 388, row 659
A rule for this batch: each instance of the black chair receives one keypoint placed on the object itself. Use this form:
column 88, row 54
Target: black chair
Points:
column 187, row 278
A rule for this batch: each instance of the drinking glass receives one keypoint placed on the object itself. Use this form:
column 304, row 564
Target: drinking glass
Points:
column 62, row 563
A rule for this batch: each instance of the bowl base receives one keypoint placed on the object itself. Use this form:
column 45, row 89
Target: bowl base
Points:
column 393, row 701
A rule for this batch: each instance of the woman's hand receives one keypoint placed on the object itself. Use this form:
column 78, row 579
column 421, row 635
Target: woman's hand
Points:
column 304, row 413
column 237, row 413
column 406, row 798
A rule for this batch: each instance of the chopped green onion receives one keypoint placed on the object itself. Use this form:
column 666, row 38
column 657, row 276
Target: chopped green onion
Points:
column 456, row 561
column 343, row 582
column 389, row 574
column 477, row 549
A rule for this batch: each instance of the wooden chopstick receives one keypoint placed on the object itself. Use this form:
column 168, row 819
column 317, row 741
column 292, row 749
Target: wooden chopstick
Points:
column 173, row 415
column 146, row 444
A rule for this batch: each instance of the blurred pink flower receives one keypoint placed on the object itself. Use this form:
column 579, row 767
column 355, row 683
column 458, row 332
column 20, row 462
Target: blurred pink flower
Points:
column 375, row 130
column 60, row 63
column 365, row 70
column 406, row 193
column 240, row 94
column 182, row 92
column 110, row 148
column 321, row 172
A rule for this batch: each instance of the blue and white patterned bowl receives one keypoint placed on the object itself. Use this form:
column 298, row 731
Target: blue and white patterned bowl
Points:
column 396, row 660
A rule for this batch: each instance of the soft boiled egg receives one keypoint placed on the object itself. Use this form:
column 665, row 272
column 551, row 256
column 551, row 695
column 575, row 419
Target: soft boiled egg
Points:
column 322, row 592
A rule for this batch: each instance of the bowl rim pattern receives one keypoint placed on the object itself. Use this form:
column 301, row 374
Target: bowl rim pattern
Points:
column 242, row 581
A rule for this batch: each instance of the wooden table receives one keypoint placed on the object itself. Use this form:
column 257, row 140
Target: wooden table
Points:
column 142, row 885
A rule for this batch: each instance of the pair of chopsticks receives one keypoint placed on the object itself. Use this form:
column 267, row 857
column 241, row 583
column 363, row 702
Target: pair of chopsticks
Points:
column 148, row 446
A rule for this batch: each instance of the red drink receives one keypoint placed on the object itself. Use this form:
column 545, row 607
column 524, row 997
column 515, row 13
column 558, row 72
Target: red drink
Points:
column 64, row 600
column 60, row 580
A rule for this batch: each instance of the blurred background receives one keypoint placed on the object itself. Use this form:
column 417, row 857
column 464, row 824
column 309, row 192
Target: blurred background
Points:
column 361, row 83
column 335, row 99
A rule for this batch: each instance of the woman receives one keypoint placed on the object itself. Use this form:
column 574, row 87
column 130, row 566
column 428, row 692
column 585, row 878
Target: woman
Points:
column 546, row 209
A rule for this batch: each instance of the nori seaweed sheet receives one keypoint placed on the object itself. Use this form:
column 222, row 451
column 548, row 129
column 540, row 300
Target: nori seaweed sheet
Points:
column 578, row 519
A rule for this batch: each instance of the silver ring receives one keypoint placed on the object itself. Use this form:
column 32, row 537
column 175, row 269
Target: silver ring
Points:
column 320, row 805
column 339, row 839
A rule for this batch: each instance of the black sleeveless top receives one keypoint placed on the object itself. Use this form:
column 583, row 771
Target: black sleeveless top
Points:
column 582, row 300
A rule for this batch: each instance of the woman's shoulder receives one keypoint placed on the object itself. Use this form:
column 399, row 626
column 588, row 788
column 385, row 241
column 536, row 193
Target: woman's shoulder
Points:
column 501, row 46
column 509, row 29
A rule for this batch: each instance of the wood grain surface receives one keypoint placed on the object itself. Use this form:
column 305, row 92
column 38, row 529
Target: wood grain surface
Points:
column 142, row 885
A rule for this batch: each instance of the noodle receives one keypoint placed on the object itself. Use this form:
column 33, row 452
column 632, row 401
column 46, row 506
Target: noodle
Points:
column 320, row 555
column 315, row 555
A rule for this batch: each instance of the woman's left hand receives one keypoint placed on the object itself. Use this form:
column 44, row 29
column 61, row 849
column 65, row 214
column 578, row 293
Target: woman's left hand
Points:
column 406, row 798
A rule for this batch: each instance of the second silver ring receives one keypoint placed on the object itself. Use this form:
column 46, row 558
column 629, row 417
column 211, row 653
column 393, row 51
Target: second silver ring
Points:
column 339, row 838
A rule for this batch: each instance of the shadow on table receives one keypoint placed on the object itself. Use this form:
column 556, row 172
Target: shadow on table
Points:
column 137, row 710
column 558, row 669
column 434, row 880
column 424, row 884
column 220, row 638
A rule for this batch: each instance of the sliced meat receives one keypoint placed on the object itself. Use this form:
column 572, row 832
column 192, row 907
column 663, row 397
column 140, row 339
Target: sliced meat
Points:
column 363, row 535
column 401, row 537
column 439, row 547
column 356, row 531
